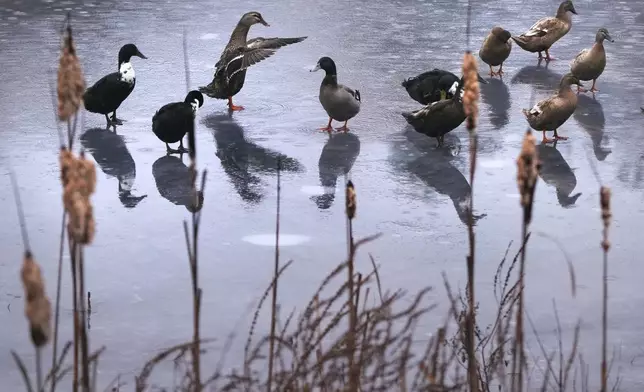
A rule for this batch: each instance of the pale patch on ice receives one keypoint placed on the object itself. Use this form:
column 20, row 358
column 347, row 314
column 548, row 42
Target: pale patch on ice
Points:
column 513, row 196
column 209, row 36
column 312, row 190
column 269, row 239
column 492, row 163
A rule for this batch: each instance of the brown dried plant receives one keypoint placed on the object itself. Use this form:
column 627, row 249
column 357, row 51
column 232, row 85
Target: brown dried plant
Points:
column 471, row 90
column 37, row 305
column 604, row 202
column 79, row 182
column 71, row 84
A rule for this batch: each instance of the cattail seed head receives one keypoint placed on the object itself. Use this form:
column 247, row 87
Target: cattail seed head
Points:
column 351, row 200
column 79, row 183
column 527, row 174
column 71, row 84
column 471, row 90
column 37, row 305
column 604, row 201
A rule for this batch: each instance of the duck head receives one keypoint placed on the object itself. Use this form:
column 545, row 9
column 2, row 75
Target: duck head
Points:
column 602, row 34
column 568, row 80
column 501, row 34
column 567, row 6
column 327, row 65
column 252, row 18
column 127, row 52
column 195, row 99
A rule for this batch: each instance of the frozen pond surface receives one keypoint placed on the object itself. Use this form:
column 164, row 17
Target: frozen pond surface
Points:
column 137, row 269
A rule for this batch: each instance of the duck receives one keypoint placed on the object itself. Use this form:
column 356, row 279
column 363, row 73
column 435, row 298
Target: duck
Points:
column 432, row 86
column 340, row 102
column 496, row 48
column 546, row 31
column 173, row 120
column 439, row 118
column 238, row 55
column 109, row 92
column 551, row 113
column 590, row 63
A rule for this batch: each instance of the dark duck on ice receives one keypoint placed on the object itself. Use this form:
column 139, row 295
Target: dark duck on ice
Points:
column 106, row 95
column 174, row 120
column 238, row 55
column 433, row 86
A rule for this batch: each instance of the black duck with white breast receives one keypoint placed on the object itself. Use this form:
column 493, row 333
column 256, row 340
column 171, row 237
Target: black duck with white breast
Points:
column 340, row 102
column 438, row 118
column 432, row 86
column 174, row 120
column 238, row 55
column 109, row 92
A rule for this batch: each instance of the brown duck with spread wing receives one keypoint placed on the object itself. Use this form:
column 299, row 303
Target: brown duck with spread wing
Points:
column 238, row 55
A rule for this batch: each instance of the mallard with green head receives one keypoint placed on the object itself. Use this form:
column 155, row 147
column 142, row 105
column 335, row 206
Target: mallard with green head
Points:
column 238, row 55
column 590, row 63
column 543, row 34
column 439, row 118
column 432, row 86
column 551, row 113
column 496, row 49
column 340, row 102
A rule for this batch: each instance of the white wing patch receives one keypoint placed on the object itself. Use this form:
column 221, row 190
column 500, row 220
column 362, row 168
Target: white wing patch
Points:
column 127, row 73
column 536, row 110
column 452, row 90
column 536, row 32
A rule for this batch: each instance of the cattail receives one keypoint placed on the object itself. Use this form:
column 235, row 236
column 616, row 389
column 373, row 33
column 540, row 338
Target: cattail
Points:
column 37, row 305
column 527, row 173
column 470, row 90
column 351, row 200
column 71, row 84
column 604, row 201
column 79, row 182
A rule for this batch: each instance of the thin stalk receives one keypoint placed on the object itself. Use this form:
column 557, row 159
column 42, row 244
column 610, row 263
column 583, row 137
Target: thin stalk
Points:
column 351, row 339
column 275, row 277
column 604, row 322
column 83, row 329
column 471, row 317
column 61, row 250
column 39, row 369
column 519, row 332
column 73, row 246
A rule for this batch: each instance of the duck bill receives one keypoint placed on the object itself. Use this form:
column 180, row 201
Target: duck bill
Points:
column 609, row 38
column 262, row 21
column 139, row 54
column 317, row 68
column 573, row 10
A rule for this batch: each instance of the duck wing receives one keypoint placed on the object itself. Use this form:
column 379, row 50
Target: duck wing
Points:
column 579, row 58
column 354, row 93
column 257, row 49
column 542, row 27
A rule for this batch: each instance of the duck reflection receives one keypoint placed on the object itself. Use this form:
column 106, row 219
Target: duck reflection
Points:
column 435, row 169
column 542, row 78
column 497, row 96
column 338, row 156
column 590, row 116
column 114, row 159
column 243, row 160
column 556, row 172
column 172, row 178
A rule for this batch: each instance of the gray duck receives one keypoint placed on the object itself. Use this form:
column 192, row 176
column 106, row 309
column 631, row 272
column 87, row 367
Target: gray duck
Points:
column 551, row 113
column 238, row 55
column 438, row 118
column 340, row 102
column 590, row 63
column 496, row 49
column 546, row 31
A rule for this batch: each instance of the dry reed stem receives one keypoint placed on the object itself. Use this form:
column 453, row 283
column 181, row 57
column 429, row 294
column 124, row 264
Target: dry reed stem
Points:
column 71, row 84
column 606, row 214
column 351, row 205
column 470, row 105
column 271, row 351
column 527, row 174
